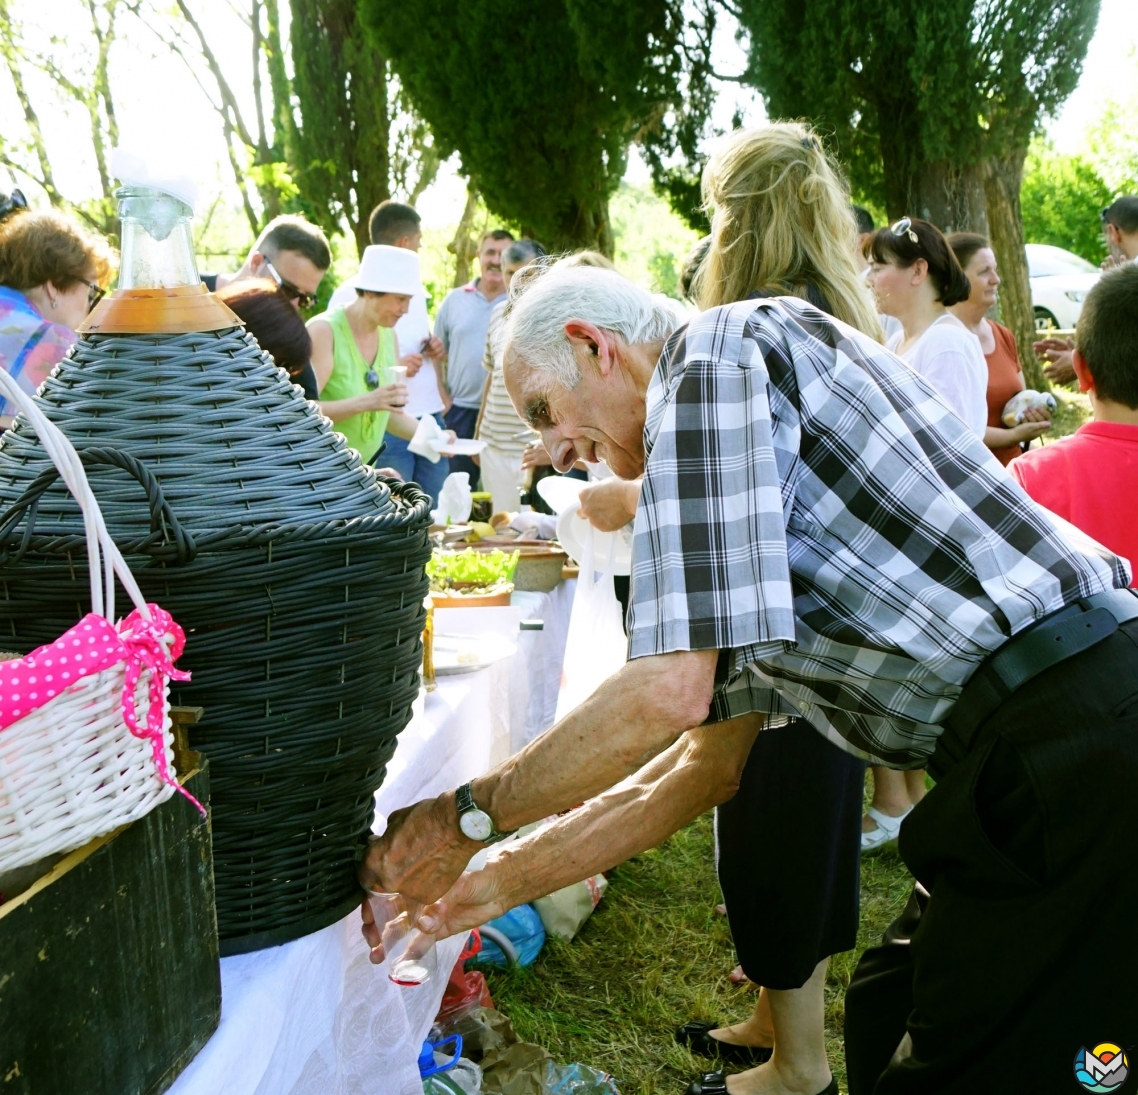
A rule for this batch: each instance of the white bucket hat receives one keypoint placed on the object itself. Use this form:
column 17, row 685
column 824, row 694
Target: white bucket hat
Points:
column 386, row 269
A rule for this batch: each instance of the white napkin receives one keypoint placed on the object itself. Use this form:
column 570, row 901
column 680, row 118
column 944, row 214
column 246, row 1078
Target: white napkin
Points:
column 429, row 439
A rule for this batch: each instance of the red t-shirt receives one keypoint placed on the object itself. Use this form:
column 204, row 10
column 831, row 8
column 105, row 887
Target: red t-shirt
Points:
column 1005, row 379
column 1091, row 480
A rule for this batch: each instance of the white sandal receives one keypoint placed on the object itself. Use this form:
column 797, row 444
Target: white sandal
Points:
column 886, row 830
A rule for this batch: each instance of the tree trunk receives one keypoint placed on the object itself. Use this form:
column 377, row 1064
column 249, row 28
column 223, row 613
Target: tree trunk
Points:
column 951, row 197
column 1002, row 180
column 464, row 247
column 585, row 227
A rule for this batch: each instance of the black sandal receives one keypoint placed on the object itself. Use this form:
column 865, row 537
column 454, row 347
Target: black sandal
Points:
column 715, row 1083
column 709, row 1083
column 696, row 1035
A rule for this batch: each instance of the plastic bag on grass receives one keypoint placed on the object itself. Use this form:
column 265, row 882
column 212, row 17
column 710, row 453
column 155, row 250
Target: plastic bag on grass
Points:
column 564, row 912
column 465, row 991
column 519, row 1069
column 523, row 931
column 578, row 1080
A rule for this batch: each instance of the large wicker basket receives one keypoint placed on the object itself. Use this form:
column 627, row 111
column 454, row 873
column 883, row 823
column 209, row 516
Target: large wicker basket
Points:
column 295, row 571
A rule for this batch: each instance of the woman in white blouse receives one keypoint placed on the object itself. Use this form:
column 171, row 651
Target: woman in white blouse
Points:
column 916, row 278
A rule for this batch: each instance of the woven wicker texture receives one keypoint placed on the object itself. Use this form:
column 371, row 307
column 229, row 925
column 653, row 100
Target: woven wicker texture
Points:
column 295, row 571
column 71, row 770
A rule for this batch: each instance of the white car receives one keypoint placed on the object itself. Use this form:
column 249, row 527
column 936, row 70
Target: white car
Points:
column 1060, row 282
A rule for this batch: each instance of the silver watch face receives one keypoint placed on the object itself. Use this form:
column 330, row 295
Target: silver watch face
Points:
column 476, row 824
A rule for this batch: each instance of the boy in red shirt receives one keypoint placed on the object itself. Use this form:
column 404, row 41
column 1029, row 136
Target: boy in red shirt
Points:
column 1091, row 478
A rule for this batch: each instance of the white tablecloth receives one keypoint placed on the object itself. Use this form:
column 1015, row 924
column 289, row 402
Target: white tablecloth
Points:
column 315, row 1017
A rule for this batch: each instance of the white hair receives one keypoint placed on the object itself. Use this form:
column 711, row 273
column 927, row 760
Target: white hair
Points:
column 544, row 299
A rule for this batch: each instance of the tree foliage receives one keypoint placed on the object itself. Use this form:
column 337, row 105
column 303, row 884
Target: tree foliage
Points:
column 79, row 71
column 1061, row 198
column 357, row 139
column 911, row 91
column 932, row 105
column 540, row 101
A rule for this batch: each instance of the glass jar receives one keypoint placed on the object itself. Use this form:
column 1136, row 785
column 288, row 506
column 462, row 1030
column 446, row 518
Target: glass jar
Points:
column 157, row 240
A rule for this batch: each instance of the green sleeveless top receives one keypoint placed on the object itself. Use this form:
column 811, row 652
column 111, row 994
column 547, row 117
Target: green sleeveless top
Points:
column 364, row 432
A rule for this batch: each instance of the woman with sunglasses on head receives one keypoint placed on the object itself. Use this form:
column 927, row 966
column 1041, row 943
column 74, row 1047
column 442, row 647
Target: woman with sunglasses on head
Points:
column 997, row 344
column 916, row 278
column 52, row 273
column 355, row 352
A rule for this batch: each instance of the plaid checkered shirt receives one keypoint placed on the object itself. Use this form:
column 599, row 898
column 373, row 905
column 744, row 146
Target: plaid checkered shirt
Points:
column 812, row 508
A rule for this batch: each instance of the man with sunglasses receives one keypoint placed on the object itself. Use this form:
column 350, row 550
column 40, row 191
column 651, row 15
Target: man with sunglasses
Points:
column 291, row 252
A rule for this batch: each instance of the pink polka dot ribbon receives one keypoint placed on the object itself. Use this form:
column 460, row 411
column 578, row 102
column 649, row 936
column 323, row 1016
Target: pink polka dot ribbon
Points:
column 91, row 646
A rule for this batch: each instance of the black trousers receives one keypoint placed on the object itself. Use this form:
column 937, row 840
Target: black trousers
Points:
column 789, row 848
column 1026, row 947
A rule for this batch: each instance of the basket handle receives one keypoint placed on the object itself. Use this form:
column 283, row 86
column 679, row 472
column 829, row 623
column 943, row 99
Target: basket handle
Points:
column 66, row 459
column 162, row 517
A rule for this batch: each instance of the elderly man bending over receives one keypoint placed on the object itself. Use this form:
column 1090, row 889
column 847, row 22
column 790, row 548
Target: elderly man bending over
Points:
column 818, row 536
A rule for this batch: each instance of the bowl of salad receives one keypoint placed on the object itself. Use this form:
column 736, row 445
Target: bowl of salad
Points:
column 471, row 579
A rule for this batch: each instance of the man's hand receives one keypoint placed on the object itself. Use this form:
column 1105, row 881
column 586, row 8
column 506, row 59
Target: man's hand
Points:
column 610, row 504
column 535, row 456
column 433, row 347
column 422, row 852
column 1058, row 352
column 476, row 897
column 412, row 362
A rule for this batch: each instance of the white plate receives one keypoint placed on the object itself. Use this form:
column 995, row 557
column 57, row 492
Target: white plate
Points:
column 463, row 446
column 469, row 653
column 571, row 533
column 560, row 492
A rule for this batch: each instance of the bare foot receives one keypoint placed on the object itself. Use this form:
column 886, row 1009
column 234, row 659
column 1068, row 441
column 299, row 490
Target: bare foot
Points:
column 721, row 910
column 768, row 1079
column 749, row 1033
column 737, row 976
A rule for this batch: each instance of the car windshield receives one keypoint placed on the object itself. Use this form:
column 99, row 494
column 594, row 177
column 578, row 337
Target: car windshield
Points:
column 1045, row 262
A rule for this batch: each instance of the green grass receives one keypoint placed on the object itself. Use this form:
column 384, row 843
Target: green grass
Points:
column 654, row 955
column 1074, row 409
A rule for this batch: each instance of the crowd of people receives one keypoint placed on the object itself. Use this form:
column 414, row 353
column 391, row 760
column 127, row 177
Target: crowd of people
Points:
column 843, row 555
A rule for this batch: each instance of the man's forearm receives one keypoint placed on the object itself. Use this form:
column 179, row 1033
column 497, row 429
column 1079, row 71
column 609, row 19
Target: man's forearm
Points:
column 636, row 713
column 697, row 772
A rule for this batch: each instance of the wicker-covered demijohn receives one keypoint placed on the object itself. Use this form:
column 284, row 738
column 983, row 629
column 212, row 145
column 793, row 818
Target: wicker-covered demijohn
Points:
column 296, row 572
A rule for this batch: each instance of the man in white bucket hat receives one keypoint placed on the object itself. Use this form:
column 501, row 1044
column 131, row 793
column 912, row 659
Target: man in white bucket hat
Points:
column 355, row 352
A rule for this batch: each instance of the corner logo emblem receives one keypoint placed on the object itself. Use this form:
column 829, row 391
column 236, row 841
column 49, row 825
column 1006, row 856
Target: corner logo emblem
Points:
column 1103, row 1068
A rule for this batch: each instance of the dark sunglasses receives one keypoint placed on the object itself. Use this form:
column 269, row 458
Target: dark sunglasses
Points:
column 904, row 227
column 14, row 201
column 95, row 293
column 305, row 300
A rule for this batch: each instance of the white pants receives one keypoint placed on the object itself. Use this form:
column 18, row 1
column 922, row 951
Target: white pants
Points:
column 502, row 477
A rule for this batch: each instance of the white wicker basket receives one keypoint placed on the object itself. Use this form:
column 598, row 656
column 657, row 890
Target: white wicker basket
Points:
column 72, row 769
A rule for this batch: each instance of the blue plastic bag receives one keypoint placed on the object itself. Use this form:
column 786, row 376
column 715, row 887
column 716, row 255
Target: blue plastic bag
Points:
column 523, row 929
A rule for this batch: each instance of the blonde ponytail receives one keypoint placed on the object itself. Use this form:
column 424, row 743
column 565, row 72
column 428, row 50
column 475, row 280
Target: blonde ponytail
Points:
column 780, row 221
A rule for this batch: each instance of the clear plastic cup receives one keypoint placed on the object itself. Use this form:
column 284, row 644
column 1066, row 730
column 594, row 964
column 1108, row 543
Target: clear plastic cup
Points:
column 409, row 953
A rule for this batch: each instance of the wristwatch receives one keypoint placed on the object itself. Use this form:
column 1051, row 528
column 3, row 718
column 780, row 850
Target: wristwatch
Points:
column 475, row 823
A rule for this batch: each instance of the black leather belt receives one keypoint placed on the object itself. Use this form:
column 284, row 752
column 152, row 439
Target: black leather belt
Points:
column 1052, row 640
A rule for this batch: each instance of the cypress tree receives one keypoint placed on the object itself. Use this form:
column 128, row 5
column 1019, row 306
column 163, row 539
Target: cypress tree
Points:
column 541, row 101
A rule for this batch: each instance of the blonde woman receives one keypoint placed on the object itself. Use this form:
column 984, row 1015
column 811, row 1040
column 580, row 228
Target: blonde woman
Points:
column 788, row 842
